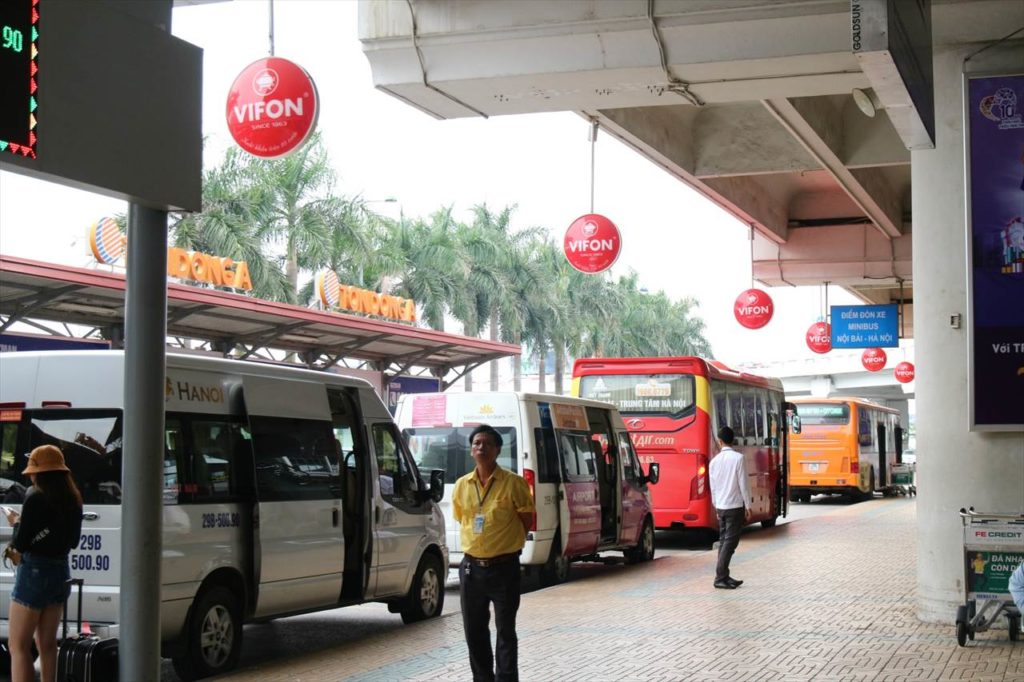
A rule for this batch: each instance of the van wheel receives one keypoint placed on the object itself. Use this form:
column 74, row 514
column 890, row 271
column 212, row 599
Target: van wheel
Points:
column 644, row 550
column 555, row 570
column 213, row 635
column 426, row 595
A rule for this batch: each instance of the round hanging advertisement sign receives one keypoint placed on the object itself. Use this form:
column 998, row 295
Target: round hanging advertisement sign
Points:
column 106, row 241
column 753, row 308
column 592, row 243
column 873, row 359
column 272, row 107
column 819, row 337
column 904, row 372
column 328, row 290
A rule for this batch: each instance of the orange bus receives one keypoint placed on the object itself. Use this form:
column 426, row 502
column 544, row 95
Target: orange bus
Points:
column 843, row 446
column 673, row 406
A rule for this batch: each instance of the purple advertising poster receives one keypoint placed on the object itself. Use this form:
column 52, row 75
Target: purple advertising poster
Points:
column 995, row 172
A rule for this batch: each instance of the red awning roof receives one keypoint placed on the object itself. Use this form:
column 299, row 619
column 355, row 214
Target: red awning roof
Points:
column 45, row 291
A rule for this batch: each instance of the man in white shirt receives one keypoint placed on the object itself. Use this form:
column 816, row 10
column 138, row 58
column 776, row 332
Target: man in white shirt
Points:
column 730, row 494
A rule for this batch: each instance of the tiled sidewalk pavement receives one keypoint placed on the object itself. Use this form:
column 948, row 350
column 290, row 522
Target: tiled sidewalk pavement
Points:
column 826, row 598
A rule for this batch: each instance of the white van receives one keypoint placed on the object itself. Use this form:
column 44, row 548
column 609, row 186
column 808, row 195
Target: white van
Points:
column 590, row 492
column 285, row 491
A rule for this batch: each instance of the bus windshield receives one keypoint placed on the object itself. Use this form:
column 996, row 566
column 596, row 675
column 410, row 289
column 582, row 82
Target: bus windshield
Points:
column 823, row 414
column 659, row 394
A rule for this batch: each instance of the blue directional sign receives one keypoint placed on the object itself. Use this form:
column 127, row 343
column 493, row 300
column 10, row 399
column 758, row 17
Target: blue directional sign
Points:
column 865, row 326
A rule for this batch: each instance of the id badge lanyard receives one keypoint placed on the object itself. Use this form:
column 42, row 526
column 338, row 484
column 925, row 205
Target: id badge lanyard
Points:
column 478, row 520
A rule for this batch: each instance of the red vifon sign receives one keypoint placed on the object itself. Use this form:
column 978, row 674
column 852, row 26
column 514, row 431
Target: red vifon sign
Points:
column 272, row 107
column 592, row 243
column 753, row 308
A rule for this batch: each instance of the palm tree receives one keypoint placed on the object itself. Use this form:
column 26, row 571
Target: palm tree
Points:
column 294, row 207
column 485, row 281
column 355, row 234
column 508, row 309
column 424, row 264
column 225, row 225
column 586, row 303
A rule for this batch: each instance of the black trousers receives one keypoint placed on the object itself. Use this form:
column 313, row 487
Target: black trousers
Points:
column 479, row 587
column 730, row 523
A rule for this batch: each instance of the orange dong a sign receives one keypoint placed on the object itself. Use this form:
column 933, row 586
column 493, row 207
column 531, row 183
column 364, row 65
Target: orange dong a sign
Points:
column 334, row 295
column 107, row 244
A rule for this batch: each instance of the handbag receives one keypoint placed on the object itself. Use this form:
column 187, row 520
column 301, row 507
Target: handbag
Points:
column 12, row 557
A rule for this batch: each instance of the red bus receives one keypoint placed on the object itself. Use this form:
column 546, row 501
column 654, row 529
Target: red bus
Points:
column 673, row 407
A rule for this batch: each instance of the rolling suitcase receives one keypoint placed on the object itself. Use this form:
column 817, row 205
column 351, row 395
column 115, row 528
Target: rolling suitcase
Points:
column 85, row 657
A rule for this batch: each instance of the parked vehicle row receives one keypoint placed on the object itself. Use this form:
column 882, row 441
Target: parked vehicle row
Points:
column 285, row 491
column 288, row 491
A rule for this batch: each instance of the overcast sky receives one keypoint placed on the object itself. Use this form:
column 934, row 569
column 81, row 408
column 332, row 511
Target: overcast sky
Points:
column 676, row 240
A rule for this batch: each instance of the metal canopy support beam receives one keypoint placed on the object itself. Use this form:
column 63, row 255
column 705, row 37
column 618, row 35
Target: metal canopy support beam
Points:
column 469, row 367
column 406, row 361
column 868, row 191
column 357, row 343
column 265, row 338
column 445, row 385
column 37, row 301
column 181, row 313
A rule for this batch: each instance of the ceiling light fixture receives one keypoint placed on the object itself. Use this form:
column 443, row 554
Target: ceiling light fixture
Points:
column 864, row 102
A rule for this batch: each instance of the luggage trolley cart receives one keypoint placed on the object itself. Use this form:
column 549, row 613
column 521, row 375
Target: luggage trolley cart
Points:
column 903, row 478
column 993, row 548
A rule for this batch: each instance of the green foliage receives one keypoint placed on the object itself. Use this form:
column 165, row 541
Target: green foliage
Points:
column 283, row 217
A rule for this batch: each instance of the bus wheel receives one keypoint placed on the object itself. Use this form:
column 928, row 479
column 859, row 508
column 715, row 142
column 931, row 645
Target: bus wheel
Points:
column 555, row 570
column 426, row 595
column 644, row 549
column 769, row 523
column 870, row 494
column 213, row 635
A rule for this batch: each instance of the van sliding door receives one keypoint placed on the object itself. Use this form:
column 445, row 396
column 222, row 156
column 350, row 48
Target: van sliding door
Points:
column 580, row 504
column 300, row 548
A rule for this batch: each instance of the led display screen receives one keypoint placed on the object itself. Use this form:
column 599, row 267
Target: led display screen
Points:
column 19, row 36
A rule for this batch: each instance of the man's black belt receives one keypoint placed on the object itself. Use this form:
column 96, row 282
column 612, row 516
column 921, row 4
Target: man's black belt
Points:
column 494, row 560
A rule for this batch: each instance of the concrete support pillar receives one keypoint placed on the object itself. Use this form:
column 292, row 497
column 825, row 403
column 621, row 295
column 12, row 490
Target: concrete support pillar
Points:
column 956, row 467
column 822, row 386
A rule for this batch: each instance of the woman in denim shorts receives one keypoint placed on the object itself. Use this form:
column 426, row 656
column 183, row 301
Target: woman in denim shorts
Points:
column 45, row 532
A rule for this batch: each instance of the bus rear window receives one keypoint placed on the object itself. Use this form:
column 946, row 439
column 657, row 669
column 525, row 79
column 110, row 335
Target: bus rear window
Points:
column 89, row 439
column 822, row 414
column 661, row 394
column 448, row 448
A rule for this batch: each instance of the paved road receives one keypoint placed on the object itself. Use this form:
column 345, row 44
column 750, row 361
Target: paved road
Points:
column 316, row 632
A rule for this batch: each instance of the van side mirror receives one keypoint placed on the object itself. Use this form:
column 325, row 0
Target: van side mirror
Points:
column 437, row 484
column 794, row 423
column 653, row 473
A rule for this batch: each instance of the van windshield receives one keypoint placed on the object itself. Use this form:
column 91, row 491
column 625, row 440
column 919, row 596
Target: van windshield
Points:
column 448, row 448
column 89, row 439
column 660, row 394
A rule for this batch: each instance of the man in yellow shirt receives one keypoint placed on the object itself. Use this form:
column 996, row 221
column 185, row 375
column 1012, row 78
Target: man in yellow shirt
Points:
column 494, row 509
